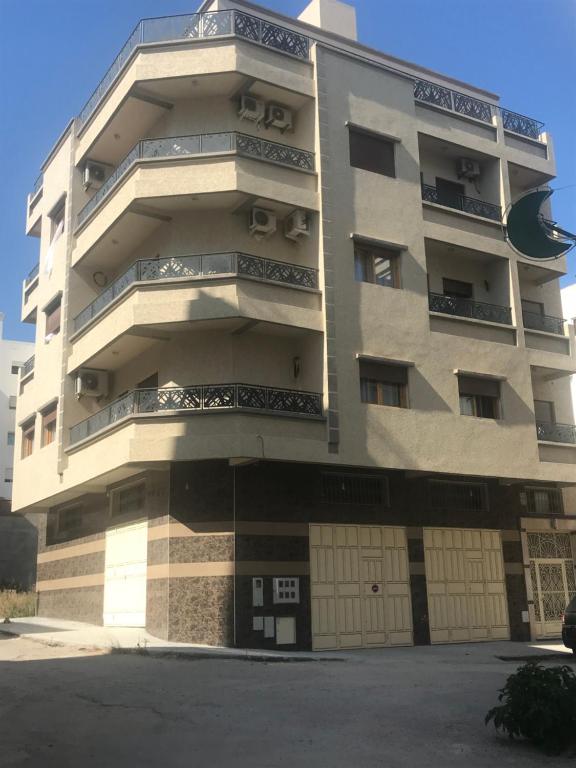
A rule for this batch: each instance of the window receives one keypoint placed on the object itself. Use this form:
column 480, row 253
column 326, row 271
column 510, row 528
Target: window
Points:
column 128, row 500
column 479, row 397
column 10, row 439
column 457, row 289
column 458, row 497
column 49, row 424
column 28, row 438
column 450, row 193
column 542, row 501
column 544, row 411
column 372, row 153
column 384, row 384
column 12, row 402
column 532, row 307
column 16, row 368
column 8, row 475
column 57, row 220
column 343, row 488
column 52, row 313
column 376, row 265
column 69, row 520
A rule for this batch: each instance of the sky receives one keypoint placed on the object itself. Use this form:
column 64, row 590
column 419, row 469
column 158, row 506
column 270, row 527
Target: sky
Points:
column 523, row 50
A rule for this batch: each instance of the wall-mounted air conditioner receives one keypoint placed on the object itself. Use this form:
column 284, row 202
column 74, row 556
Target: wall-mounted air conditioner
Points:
column 297, row 225
column 278, row 117
column 94, row 175
column 252, row 109
column 91, row 383
column 262, row 222
column 468, row 168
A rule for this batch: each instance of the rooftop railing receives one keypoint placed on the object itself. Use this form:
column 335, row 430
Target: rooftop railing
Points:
column 535, row 321
column 206, row 143
column 462, row 104
column 211, row 265
column 32, row 275
column 556, row 433
column 197, row 26
column 28, row 367
column 481, row 208
column 476, row 310
column 200, row 398
column 37, row 186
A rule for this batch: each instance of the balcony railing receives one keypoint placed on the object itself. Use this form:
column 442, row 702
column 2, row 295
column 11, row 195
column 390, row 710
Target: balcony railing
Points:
column 439, row 96
column 462, row 203
column 534, row 321
column 211, row 265
column 477, row 310
column 201, row 398
column 37, row 186
column 32, row 275
column 207, row 143
column 27, row 368
column 194, row 27
column 556, row 433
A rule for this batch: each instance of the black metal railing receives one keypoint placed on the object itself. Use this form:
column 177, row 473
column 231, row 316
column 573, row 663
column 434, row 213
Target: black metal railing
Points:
column 535, row 321
column 446, row 98
column 556, row 433
column 477, row 310
column 32, row 275
column 206, row 143
column 206, row 397
column 199, row 26
column 27, row 368
column 210, row 265
column 481, row 208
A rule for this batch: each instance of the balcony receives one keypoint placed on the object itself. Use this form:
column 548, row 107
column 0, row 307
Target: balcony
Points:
column 475, row 310
column 202, row 267
column 430, row 194
column 231, row 142
column 27, row 369
column 535, row 321
column 551, row 432
column 198, row 26
column 32, row 278
column 209, row 398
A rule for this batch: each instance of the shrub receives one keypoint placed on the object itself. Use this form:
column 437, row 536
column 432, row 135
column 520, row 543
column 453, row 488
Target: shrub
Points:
column 14, row 604
column 539, row 704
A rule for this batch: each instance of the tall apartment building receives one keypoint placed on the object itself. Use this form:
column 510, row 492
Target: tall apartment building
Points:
column 292, row 387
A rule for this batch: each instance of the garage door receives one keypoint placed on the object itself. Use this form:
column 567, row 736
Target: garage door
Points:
column 360, row 587
column 125, row 576
column 466, row 585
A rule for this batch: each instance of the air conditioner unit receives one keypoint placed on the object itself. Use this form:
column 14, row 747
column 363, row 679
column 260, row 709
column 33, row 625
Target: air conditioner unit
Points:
column 297, row 225
column 94, row 175
column 468, row 168
column 279, row 117
column 251, row 109
column 90, row 383
column 262, row 222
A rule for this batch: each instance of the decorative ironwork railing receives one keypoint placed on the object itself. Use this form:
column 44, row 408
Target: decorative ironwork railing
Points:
column 556, row 433
column 536, row 322
column 200, row 266
column 207, row 397
column 206, row 143
column 481, row 208
column 478, row 310
column 439, row 96
column 199, row 26
column 32, row 275
column 27, row 368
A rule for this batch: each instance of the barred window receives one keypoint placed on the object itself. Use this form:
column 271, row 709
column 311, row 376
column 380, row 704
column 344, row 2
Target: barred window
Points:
column 69, row 520
column 458, row 497
column 128, row 500
column 343, row 488
column 542, row 501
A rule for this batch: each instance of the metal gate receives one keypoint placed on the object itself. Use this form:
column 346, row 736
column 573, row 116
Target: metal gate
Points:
column 553, row 579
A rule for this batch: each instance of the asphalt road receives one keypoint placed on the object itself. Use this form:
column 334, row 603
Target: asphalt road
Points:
column 395, row 708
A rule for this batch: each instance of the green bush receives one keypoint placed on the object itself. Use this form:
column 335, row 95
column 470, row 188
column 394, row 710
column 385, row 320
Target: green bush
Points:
column 539, row 704
column 15, row 604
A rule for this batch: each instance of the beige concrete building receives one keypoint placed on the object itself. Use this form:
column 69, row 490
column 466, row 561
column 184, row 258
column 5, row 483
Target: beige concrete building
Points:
column 291, row 385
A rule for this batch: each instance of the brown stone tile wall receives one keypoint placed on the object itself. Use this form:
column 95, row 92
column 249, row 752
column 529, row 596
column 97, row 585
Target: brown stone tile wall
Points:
column 201, row 610
column 202, row 549
column 157, row 607
column 81, row 604
column 71, row 566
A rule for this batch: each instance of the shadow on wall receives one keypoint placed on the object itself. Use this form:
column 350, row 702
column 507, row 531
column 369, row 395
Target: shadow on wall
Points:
column 18, row 549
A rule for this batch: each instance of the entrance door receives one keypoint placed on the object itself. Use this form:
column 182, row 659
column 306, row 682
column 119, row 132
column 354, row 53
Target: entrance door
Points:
column 360, row 586
column 450, row 193
column 466, row 585
column 125, row 576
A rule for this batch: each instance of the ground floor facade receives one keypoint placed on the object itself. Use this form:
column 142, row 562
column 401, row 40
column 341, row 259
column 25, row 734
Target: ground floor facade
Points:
column 300, row 556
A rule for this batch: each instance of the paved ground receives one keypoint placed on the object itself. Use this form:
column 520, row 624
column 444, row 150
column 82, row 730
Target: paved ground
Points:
column 399, row 708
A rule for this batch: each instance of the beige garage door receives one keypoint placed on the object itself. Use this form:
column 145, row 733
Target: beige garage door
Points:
column 466, row 585
column 125, row 575
column 360, row 586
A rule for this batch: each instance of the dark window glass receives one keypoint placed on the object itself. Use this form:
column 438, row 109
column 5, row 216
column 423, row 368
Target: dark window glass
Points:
column 383, row 384
column 544, row 411
column 479, row 397
column 372, row 153
column 457, row 289
column 375, row 265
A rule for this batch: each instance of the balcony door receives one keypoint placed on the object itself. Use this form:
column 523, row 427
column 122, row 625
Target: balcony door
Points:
column 450, row 193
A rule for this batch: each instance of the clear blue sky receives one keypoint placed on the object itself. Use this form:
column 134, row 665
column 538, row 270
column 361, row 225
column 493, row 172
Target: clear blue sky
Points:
column 53, row 54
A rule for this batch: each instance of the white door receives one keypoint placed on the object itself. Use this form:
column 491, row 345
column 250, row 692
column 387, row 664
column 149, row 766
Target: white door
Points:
column 125, row 576
column 360, row 586
column 553, row 579
column 466, row 585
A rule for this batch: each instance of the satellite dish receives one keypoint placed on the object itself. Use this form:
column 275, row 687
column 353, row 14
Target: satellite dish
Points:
column 530, row 234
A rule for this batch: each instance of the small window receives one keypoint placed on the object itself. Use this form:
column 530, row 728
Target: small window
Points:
column 479, row 397
column 8, row 475
column 12, row 402
column 15, row 370
column 544, row 411
column 372, row 153
column 28, row 438
column 52, row 313
column 383, row 384
column 542, row 501
column 128, row 500
column 10, row 438
column 344, row 488
column 376, row 265
column 457, row 289
column 69, row 520
column 458, row 497
column 49, row 424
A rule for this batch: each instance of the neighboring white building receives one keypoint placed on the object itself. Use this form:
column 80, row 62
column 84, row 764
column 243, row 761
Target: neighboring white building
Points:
column 13, row 355
column 568, row 295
